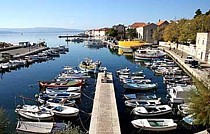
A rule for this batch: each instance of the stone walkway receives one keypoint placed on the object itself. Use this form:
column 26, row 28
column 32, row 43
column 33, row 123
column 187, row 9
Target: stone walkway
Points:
column 22, row 51
column 104, row 118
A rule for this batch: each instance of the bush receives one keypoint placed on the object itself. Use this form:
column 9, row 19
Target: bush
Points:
column 72, row 129
column 4, row 122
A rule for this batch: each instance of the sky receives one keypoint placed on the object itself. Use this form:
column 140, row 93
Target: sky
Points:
column 89, row 14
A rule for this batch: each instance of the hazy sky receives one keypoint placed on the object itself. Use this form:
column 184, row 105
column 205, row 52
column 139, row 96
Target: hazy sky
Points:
column 87, row 14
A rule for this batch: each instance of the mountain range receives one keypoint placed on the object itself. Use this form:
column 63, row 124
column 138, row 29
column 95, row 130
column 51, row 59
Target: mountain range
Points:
column 37, row 30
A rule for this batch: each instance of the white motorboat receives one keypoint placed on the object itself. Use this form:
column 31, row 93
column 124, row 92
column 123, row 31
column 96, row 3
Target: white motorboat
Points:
column 61, row 101
column 140, row 87
column 33, row 112
column 155, row 124
column 123, row 71
column 69, row 95
column 90, row 66
column 140, row 102
column 40, row 127
column 145, row 54
column 150, row 111
column 140, row 96
column 59, row 90
column 62, row 111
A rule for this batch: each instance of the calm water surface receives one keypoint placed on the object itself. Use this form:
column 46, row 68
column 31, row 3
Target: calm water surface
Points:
column 24, row 81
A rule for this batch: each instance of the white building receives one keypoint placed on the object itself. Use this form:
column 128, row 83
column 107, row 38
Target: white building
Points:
column 96, row 32
column 144, row 31
column 203, row 47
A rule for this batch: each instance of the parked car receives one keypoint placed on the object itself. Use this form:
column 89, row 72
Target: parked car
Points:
column 188, row 60
column 194, row 64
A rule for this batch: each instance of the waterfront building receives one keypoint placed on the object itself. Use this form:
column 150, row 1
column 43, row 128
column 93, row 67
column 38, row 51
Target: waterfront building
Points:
column 96, row 32
column 139, row 29
column 120, row 31
column 144, row 31
column 203, row 47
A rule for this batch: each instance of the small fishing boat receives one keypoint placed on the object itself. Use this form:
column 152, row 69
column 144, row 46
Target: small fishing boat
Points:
column 89, row 66
column 139, row 102
column 69, row 95
column 61, row 111
column 140, row 87
column 40, row 127
column 155, row 124
column 69, row 83
column 65, row 89
column 140, row 96
column 148, row 54
column 123, row 71
column 61, row 101
column 33, row 112
column 138, row 81
column 151, row 111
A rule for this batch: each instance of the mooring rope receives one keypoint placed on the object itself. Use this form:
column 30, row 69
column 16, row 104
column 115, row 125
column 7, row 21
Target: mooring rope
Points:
column 82, row 110
column 83, row 125
column 86, row 95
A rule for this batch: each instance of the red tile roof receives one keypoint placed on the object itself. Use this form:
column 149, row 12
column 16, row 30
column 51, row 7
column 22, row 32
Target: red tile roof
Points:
column 138, row 24
column 161, row 22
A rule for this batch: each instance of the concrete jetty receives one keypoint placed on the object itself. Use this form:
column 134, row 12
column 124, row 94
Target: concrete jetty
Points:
column 19, row 52
column 104, row 119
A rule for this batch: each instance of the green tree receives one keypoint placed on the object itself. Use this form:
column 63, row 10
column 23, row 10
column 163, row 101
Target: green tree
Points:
column 111, row 32
column 171, row 32
column 197, row 13
column 200, row 104
column 208, row 12
column 131, row 33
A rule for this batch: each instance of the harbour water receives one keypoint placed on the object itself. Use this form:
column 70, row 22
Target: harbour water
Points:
column 24, row 81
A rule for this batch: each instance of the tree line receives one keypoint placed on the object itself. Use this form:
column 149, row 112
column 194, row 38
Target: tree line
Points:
column 184, row 30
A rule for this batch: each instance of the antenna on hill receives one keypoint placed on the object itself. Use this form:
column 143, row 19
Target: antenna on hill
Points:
column 175, row 18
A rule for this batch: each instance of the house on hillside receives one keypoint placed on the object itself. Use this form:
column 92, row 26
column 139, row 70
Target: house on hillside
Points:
column 162, row 23
column 139, row 29
column 120, row 30
column 144, row 31
column 203, row 47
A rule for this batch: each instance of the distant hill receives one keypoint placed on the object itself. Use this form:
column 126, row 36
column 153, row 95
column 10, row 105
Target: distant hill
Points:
column 37, row 30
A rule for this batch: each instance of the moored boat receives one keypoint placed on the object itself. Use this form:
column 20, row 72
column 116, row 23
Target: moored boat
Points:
column 33, row 112
column 61, row 111
column 69, row 83
column 151, row 111
column 90, row 66
column 145, row 54
column 155, row 124
column 140, row 87
column 40, row 127
column 60, row 101
column 139, row 102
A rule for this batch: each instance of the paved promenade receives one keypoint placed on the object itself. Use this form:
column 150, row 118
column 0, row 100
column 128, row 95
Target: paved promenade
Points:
column 19, row 52
column 200, row 73
column 104, row 119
